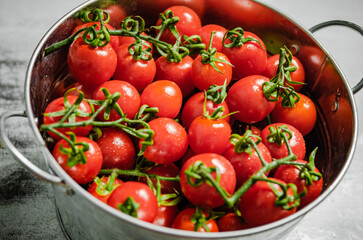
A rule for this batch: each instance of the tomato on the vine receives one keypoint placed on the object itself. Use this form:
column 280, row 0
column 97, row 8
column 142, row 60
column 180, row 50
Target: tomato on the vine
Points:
column 231, row 222
column 205, row 34
column 187, row 220
column 166, row 215
column 101, row 188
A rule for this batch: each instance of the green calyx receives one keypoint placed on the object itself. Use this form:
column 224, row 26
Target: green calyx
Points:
column 237, row 39
column 129, row 206
column 75, row 152
column 279, row 134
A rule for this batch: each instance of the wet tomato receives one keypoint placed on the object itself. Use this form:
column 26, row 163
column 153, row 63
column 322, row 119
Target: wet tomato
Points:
column 187, row 219
column 231, row 222
column 101, row 188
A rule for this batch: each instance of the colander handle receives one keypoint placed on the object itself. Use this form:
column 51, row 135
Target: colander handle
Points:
column 348, row 24
column 31, row 167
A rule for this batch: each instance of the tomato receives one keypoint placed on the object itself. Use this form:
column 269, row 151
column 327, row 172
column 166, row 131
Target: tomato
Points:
column 166, row 215
column 297, row 142
column 231, row 222
column 117, row 149
column 204, row 75
column 193, row 108
column 189, row 23
column 180, row 73
column 250, row 103
column 291, row 174
column 130, row 40
column 101, row 189
column 116, row 13
column 170, row 141
column 185, row 220
column 304, row 107
column 90, row 66
column 245, row 164
column 157, row 6
column 58, row 105
column 257, row 204
column 141, row 194
column 205, row 34
column 139, row 73
column 205, row 195
column 129, row 101
column 297, row 76
column 208, row 135
column 82, row 173
column 165, row 95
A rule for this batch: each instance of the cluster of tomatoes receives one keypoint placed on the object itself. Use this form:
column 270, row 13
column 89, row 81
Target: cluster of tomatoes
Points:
column 161, row 139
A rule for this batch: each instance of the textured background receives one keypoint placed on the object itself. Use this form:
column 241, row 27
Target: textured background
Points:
column 26, row 203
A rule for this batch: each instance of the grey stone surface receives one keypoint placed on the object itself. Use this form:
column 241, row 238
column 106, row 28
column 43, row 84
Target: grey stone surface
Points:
column 26, row 203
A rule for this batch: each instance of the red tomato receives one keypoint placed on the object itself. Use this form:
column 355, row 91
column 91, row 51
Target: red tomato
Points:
column 90, row 66
column 180, row 73
column 204, row 75
column 257, row 205
column 291, row 174
column 129, row 101
column 165, row 95
column 208, row 135
column 184, row 221
column 58, row 105
column 117, row 149
column 297, row 142
column 205, row 195
column 147, row 204
column 166, row 215
column 250, row 103
column 170, row 141
column 116, row 13
column 82, row 173
column 194, row 108
column 297, row 76
column 231, row 222
column 157, row 6
column 304, row 107
column 189, row 23
column 205, row 34
column 130, row 40
column 98, row 188
column 139, row 73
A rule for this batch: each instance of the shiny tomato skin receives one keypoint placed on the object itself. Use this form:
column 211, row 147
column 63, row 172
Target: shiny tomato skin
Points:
column 246, row 98
column 166, row 215
column 90, row 66
column 58, row 105
column 129, row 101
column 117, row 149
column 92, row 189
column 204, row 75
column 165, row 95
column 290, row 174
column 183, row 221
column 297, row 76
column 158, row 6
column 297, row 142
column 193, row 108
column 116, row 13
column 302, row 116
column 206, row 195
column 257, row 204
column 139, row 73
column 249, row 59
column 170, row 141
column 81, row 173
column 141, row 194
column 124, row 40
column 205, row 34
column 231, row 222
column 209, row 136
column 180, row 73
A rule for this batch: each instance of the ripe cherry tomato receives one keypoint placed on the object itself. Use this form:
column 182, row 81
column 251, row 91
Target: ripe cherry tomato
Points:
column 129, row 101
column 257, row 205
column 165, row 95
column 194, row 108
column 58, row 105
column 90, row 66
column 170, row 141
column 297, row 76
column 250, row 104
column 157, row 6
column 117, row 149
column 99, row 188
column 166, row 215
column 82, row 173
column 297, row 142
column 304, row 107
column 249, row 59
column 116, row 13
column 205, row 34
column 204, row 75
column 180, row 73
column 291, row 174
column 130, row 40
column 204, row 194
column 139, row 73
column 185, row 220
column 141, row 194
column 231, row 222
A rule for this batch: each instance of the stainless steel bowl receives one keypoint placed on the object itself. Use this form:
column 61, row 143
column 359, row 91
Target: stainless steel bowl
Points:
column 84, row 217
